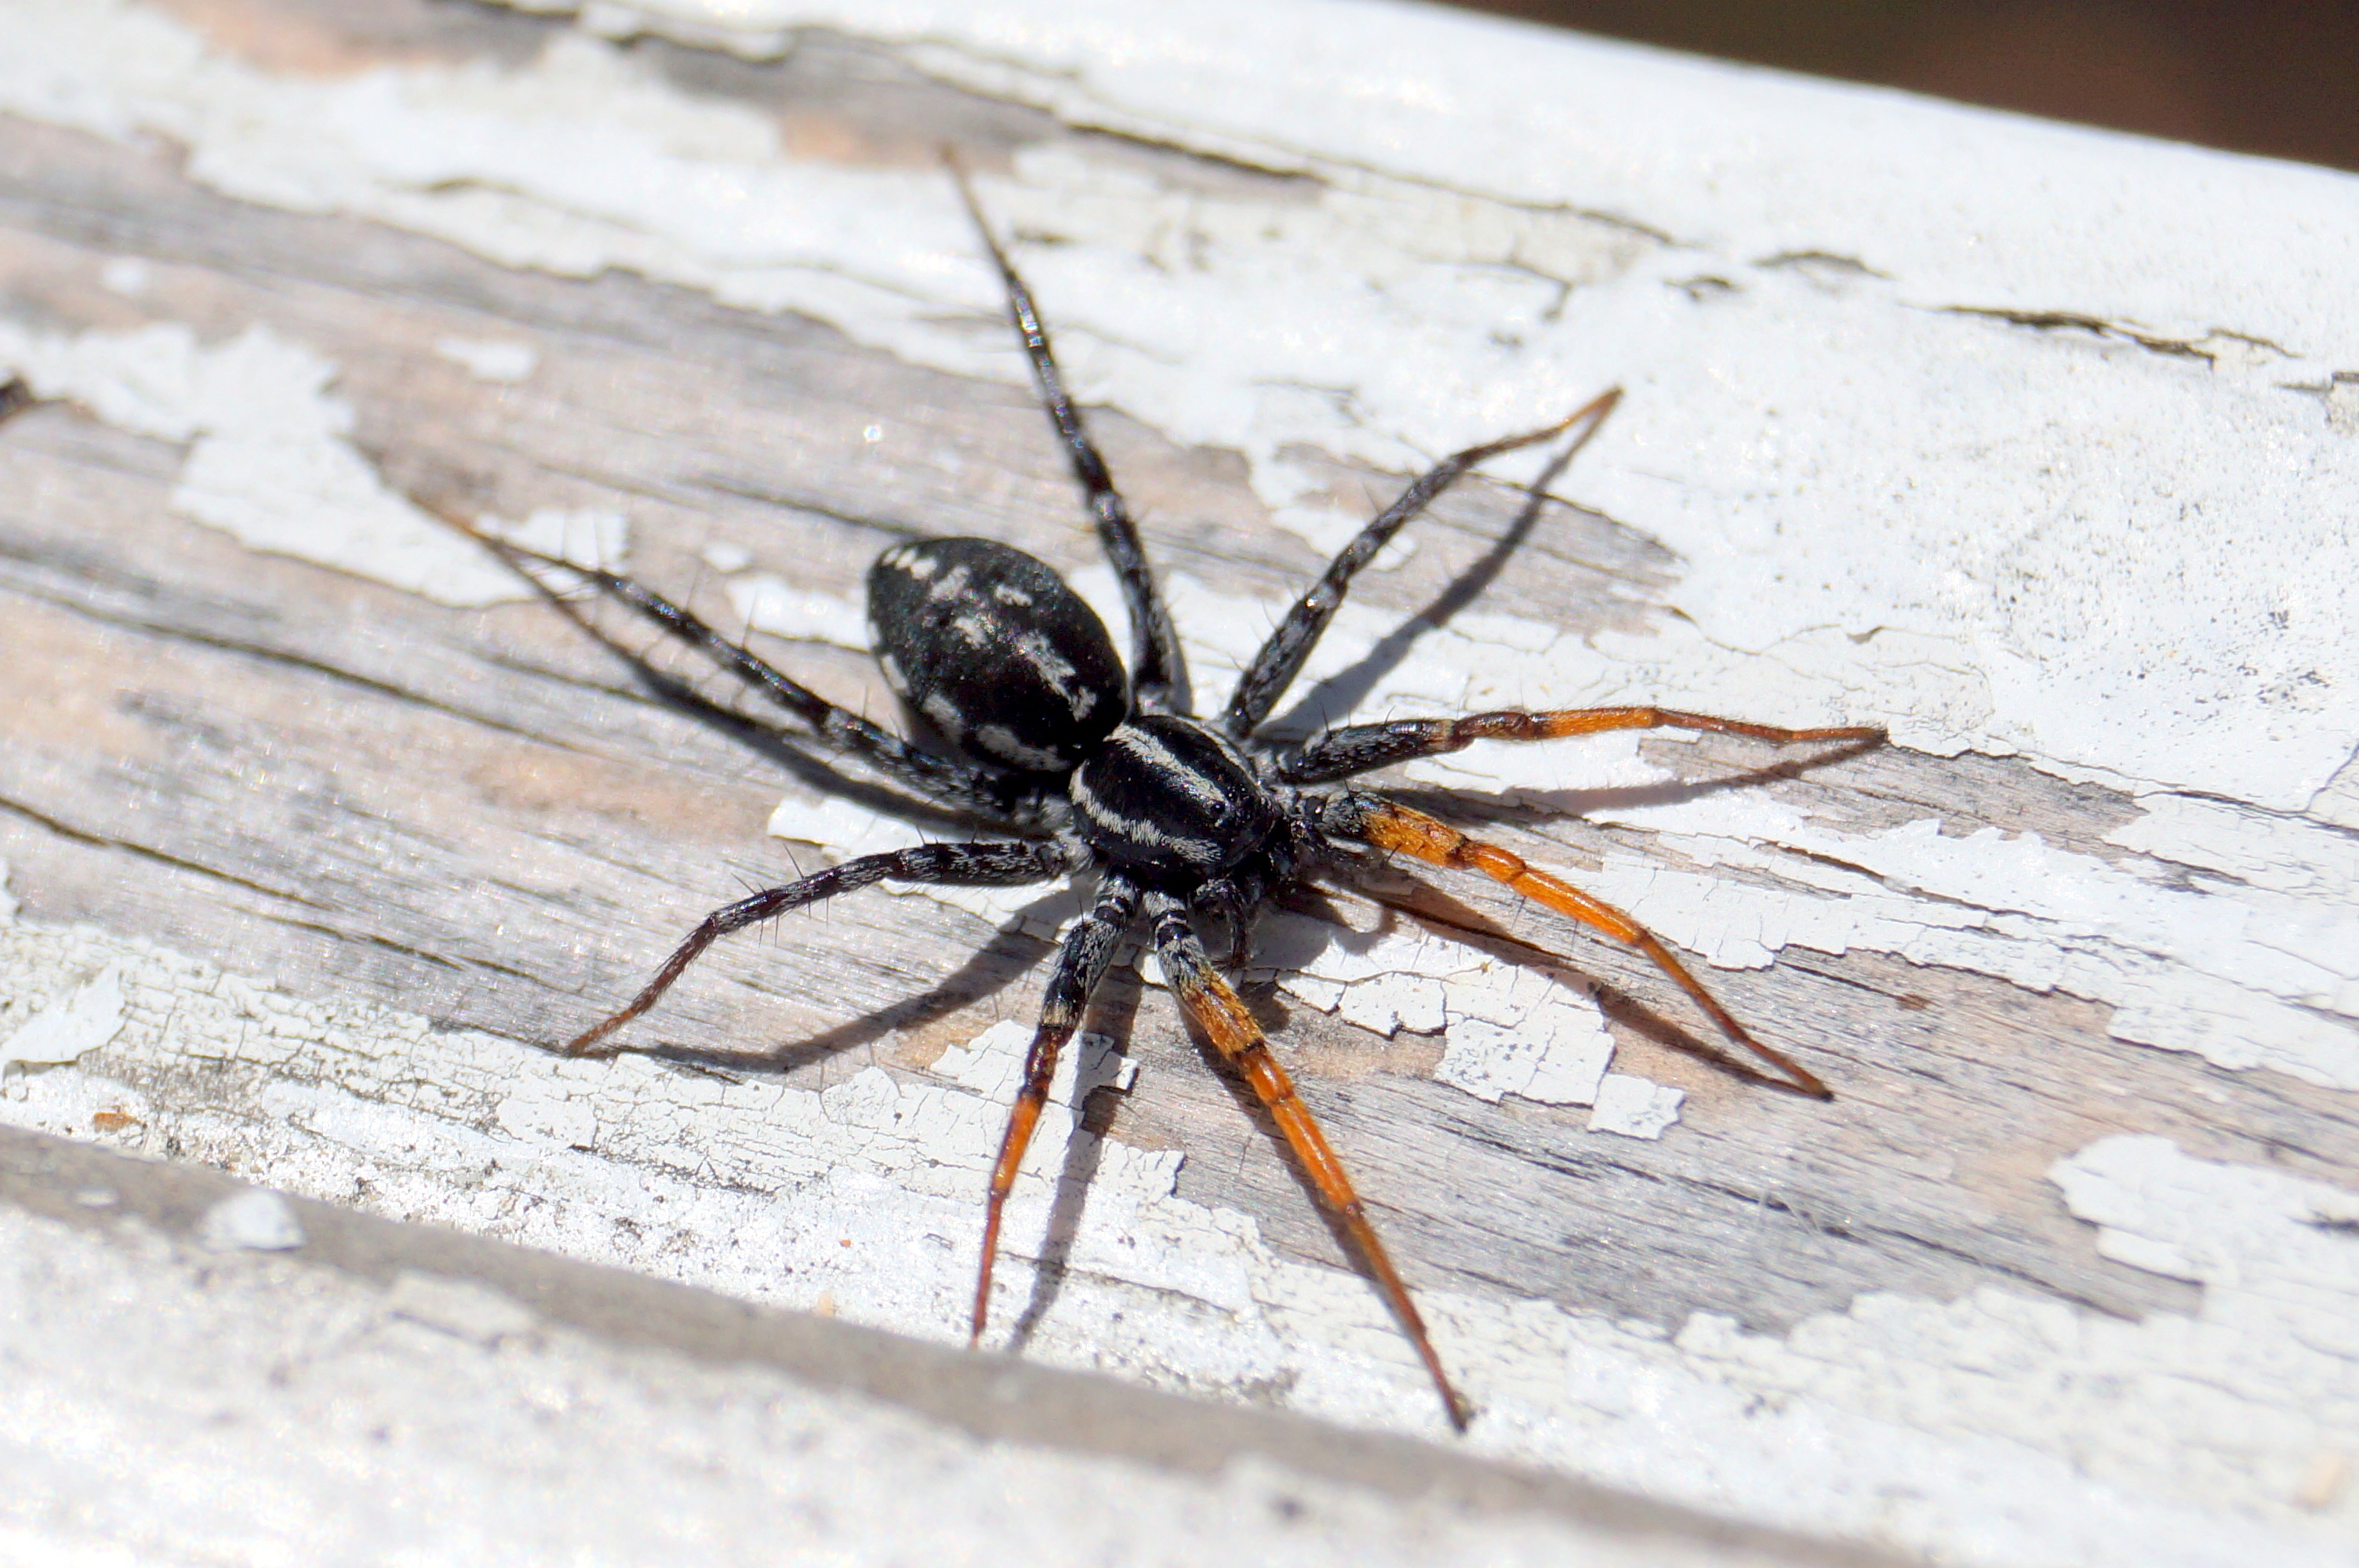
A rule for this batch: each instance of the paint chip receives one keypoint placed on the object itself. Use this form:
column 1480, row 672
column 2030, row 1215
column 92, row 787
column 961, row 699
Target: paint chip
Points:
column 251, row 1221
column 992, row 1064
column 490, row 359
column 772, row 604
column 65, row 1031
column 458, row 1307
column 1634, row 1108
column 599, row 541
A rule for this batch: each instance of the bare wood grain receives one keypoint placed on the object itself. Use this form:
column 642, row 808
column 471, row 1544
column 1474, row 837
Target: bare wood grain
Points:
column 477, row 816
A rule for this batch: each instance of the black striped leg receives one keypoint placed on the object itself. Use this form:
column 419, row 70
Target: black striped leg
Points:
column 1280, row 659
column 1388, row 825
column 947, row 865
column 1358, row 747
column 1157, row 672
column 1081, row 964
column 1213, row 1007
column 943, row 779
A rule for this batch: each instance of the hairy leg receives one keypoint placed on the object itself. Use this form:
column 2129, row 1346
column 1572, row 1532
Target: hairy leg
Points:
column 1157, row 673
column 1081, row 964
column 954, row 865
column 943, row 779
column 1372, row 819
column 1213, row 1007
column 1280, row 659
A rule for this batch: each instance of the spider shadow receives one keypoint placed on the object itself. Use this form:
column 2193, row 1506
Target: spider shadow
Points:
column 1344, row 691
column 1436, row 911
column 1114, row 1012
column 1503, row 807
column 1007, row 957
column 785, row 750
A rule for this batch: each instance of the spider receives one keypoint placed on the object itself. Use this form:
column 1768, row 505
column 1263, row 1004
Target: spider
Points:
column 1082, row 766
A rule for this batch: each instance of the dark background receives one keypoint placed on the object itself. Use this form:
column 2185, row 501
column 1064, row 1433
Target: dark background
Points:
column 2279, row 76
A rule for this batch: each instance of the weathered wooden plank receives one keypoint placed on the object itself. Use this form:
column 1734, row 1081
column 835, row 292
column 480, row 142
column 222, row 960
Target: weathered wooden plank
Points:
column 473, row 816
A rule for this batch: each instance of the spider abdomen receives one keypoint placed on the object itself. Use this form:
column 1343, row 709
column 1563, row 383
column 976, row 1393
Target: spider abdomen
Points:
column 1172, row 796
column 991, row 647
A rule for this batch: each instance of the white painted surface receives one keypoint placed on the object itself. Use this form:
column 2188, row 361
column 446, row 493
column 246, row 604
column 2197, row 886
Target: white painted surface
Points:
column 1634, row 1108
column 2121, row 562
column 490, row 359
column 1996, row 1428
column 70, row 1027
column 2117, row 561
column 269, row 462
column 167, row 1406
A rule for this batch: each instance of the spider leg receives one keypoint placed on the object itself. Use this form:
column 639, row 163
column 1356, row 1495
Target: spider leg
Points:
column 1388, row 824
column 954, row 865
column 1081, row 964
column 1358, row 747
column 1208, row 999
column 943, row 779
column 1280, row 659
column 1158, row 674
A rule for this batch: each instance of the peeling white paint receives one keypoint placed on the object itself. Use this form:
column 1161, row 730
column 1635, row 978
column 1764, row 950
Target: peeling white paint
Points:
column 2238, row 972
column 69, row 1027
column 1994, row 1430
column 269, row 462
column 768, row 603
column 2229, row 1410
column 2124, row 566
column 1971, row 576
column 992, row 1065
column 1633, row 1107
column 490, row 359
column 1988, row 537
column 585, row 537
column 1511, row 1029
column 255, row 1221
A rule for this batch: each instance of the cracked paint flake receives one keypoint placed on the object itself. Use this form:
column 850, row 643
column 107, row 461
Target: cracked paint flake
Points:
column 269, row 461
column 70, row 1027
column 1633, row 1107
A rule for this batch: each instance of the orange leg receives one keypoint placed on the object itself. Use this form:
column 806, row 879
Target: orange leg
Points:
column 1214, row 1008
column 1089, row 947
column 1389, row 825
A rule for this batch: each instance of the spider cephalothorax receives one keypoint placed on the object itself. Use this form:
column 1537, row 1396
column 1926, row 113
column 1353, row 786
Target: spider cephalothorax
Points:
column 1082, row 765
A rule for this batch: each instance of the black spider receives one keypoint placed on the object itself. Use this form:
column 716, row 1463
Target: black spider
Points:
column 1086, row 768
